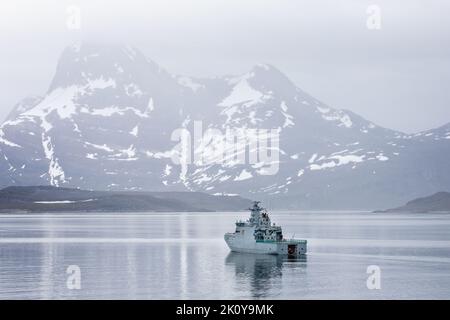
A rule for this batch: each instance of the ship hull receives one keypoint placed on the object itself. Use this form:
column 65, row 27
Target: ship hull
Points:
column 287, row 247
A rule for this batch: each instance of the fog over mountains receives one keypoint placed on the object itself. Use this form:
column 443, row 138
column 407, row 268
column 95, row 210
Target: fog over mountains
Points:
column 107, row 119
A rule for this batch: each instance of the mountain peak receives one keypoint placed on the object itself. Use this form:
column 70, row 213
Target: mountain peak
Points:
column 265, row 76
column 264, row 67
column 83, row 61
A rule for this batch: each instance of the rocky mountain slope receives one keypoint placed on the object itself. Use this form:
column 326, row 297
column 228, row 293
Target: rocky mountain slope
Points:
column 438, row 202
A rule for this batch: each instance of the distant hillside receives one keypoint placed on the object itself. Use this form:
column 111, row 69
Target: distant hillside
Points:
column 437, row 202
column 52, row 199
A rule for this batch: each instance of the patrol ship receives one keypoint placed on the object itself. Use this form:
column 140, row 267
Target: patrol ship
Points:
column 258, row 235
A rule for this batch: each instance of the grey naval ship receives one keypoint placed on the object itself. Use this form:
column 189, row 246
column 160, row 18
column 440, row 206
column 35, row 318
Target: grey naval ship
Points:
column 259, row 235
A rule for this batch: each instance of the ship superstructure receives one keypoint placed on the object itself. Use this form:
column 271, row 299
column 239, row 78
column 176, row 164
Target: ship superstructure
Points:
column 259, row 235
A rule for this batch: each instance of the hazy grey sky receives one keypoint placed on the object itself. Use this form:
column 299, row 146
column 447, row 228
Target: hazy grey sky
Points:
column 397, row 76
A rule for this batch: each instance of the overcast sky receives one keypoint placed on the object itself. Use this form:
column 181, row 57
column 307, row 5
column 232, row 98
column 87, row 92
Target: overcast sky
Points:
column 397, row 76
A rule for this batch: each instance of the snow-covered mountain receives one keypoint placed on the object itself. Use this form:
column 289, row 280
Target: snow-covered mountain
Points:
column 107, row 120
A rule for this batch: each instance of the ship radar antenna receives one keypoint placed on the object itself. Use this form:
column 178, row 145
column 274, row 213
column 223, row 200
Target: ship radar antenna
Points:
column 256, row 206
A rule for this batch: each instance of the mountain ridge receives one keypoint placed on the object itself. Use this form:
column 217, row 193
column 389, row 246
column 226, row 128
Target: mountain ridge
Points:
column 437, row 202
column 108, row 117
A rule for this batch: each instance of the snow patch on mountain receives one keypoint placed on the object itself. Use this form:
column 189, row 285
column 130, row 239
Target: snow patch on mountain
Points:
column 114, row 110
column 103, row 147
column 382, row 157
column 224, row 194
column 167, row 170
column 118, row 68
column 5, row 141
column 150, row 106
column 203, row 178
column 189, row 83
column 135, row 131
column 335, row 115
column 55, row 171
column 337, row 160
column 244, row 175
column 287, row 117
column 313, row 158
column 241, row 92
column 101, row 83
column 60, row 100
column 133, row 90
column 129, row 154
column 323, row 110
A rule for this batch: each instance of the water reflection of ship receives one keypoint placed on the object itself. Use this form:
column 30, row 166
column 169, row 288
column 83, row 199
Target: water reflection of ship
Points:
column 261, row 270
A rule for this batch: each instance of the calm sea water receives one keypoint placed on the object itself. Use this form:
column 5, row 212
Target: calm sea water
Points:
column 183, row 256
